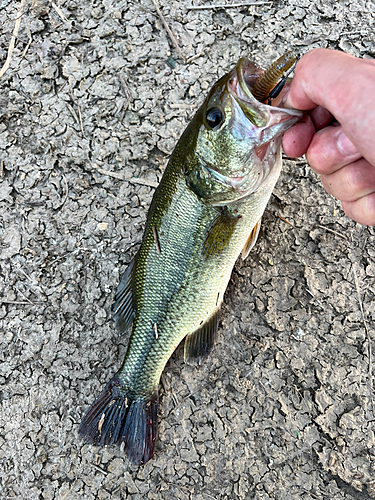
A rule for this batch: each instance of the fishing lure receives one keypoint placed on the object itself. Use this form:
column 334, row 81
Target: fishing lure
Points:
column 268, row 86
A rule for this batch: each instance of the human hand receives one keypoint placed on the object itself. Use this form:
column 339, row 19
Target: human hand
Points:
column 338, row 133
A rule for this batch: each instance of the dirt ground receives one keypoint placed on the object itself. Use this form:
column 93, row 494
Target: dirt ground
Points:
column 91, row 106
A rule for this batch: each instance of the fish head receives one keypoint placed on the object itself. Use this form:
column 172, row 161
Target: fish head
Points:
column 238, row 141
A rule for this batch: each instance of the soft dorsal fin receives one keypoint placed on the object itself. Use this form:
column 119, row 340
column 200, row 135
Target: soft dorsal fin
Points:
column 124, row 308
column 199, row 344
column 251, row 240
column 219, row 233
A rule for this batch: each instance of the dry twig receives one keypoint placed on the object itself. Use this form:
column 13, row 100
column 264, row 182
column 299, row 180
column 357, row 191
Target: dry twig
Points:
column 99, row 469
column 13, row 38
column 28, row 43
column 316, row 300
column 193, row 58
column 367, row 334
column 63, row 256
column 127, row 96
column 282, row 218
column 110, row 173
column 154, row 232
column 169, row 31
column 21, row 292
column 74, row 114
column 121, row 177
column 20, row 303
column 332, row 231
column 66, row 191
column 143, row 182
column 226, row 5
column 80, row 120
column 60, row 13
column 181, row 105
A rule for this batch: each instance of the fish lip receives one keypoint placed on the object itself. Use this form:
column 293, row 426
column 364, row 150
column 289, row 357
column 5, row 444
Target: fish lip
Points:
column 240, row 69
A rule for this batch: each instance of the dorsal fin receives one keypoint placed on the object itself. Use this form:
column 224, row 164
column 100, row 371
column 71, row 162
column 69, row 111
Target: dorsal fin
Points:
column 251, row 240
column 219, row 233
column 199, row 344
column 124, row 308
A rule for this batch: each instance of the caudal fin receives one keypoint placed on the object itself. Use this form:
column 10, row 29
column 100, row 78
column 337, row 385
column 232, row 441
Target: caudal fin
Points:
column 114, row 418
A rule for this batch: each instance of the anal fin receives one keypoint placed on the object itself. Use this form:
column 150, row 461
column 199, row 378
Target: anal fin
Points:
column 251, row 240
column 199, row 344
column 124, row 308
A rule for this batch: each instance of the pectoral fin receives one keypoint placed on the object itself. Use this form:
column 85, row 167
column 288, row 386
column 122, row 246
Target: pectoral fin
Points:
column 199, row 344
column 124, row 308
column 219, row 233
column 251, row 240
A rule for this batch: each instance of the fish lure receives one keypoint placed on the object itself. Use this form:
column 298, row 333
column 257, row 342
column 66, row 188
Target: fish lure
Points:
column 268, row 86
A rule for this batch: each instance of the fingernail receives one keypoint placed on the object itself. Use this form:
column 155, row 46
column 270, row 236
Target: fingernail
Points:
column 345, row 146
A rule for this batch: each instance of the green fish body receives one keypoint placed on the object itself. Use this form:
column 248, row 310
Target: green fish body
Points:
column 206, row 210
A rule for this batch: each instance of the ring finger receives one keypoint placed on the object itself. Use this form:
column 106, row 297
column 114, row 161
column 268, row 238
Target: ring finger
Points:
column 351, row 182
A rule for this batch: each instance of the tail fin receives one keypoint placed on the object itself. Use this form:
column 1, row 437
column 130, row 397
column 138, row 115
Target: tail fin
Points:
column 114, row 418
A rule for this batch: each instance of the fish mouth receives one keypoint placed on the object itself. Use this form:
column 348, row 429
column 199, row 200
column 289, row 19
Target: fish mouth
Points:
column 256, row 131
column 262, row 115
column 264, row 125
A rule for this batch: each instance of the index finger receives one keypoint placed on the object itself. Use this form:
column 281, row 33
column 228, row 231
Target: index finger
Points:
column 343, row 84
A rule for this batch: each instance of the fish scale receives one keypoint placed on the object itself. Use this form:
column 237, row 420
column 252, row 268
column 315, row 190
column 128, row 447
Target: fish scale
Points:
column 165, row 284
column 206, row 210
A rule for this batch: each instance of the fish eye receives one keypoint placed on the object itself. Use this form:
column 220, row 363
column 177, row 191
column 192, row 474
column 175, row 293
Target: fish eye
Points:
column 214, row 117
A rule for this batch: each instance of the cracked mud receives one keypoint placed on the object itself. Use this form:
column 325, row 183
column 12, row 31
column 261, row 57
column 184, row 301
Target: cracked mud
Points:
column 91, row 106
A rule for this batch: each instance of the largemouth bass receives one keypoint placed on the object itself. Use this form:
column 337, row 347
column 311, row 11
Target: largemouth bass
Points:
column 204, row 213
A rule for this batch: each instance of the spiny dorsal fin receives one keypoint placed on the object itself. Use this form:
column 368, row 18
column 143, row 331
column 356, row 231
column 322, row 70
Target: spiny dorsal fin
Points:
column 124, row 308
column 251, row 240
column 219, row 233
column 199, row 344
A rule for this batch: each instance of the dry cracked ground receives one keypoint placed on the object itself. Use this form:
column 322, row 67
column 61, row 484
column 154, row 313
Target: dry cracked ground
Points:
column 91, row 106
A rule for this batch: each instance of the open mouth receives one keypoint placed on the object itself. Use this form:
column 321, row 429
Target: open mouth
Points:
column 266, row 85
column 241, row 84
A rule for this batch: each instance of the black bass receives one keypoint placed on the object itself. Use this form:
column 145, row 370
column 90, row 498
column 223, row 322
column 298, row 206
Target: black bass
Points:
column 205, row 212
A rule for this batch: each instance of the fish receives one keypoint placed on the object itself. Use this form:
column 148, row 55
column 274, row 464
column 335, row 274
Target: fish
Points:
column 205, row 212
